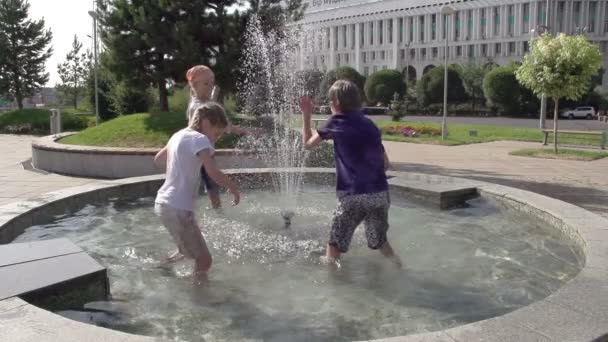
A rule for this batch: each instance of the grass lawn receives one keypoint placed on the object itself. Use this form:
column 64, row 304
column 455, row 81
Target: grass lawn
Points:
column 138, row 130
column 561, row 154
column 458, row 134
column 37, row 121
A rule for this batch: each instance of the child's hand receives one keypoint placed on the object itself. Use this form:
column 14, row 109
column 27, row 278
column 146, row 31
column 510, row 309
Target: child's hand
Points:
column 236, row 196
column 306, row 106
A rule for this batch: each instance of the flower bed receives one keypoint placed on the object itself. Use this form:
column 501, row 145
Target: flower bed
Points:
column 409, row 131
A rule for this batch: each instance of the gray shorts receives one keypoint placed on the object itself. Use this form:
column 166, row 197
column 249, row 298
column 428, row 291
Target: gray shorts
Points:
column 184, row 230
column 372, row 209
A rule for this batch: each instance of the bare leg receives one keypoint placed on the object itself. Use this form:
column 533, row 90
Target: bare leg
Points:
column 331, row 257
column 214, row 198
column 389, row 253
column 203, row 262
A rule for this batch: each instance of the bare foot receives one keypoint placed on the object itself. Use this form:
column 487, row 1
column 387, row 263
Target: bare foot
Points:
column 333, row 263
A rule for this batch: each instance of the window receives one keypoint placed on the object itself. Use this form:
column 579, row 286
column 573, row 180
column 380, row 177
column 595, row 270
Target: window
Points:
column 402, row 54
column 412, row 28
column 346, row 57
column 592, row 10
column 457, row 21
column 484, row 50
column 382, row 55
column 459, row 51
column 560, row 16
column 412, row 54
column 344, row 36
column 371, row 33
column 526, row 46
column 423, row 53
column 401, row 29
column 366, row 71
column 390, row 31
column 421, row 28
column 361, row 35
column 375, row 68
column 381, row 32
column 526, row 18
column 576, row 10
column 498, row 48
column 327, row 40
column 373, row 55
column 510, row 20
column 471, row 52
column 512, row 47
column 483, row 22
column 606, row 20
column 384, row 67
column 434, row 52
column 433, row 27
column 364, row 57
column 496, row 21
column 353, row 36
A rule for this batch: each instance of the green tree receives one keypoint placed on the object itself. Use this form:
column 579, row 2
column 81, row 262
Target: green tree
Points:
column 74, row 72
column 430, row 87
column 25, row 48
column 472, row 75
column 341, row 73
column 382, row 85
column 559, row 67
column 502, row 90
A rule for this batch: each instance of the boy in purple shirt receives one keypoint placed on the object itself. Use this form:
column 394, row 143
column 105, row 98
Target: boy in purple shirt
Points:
column 361, row 165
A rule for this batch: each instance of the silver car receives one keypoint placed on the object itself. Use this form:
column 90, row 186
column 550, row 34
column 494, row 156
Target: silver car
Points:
column 579, row 112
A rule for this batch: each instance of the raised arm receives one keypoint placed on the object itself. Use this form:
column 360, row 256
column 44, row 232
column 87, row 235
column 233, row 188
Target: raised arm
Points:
column 310, row 139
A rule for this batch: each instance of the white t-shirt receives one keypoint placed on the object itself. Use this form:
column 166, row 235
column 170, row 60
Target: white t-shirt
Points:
column 183, row 169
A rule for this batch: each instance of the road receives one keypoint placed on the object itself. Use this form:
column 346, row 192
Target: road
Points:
column 501, row 121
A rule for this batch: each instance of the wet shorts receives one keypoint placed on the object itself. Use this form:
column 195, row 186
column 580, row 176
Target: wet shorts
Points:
column 372, row 209
column 184, row 230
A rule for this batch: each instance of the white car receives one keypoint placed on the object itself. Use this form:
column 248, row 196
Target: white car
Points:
column 579, row 112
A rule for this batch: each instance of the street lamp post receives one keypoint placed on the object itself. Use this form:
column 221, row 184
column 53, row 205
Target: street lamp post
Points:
column 445, row 11
column 95, row 17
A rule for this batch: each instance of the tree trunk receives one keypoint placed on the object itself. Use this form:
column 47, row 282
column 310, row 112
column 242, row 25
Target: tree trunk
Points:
column 19, row 99
column 75, row 99
column 555, row 119
column 163, row 95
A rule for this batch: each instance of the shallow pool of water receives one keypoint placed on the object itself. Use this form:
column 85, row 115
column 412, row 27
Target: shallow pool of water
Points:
column 462, row 265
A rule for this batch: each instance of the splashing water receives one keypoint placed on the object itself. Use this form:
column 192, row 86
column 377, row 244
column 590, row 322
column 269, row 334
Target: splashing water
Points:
column 270, row 89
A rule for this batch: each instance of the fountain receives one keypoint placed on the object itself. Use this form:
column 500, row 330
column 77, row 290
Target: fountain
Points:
column 271, row 88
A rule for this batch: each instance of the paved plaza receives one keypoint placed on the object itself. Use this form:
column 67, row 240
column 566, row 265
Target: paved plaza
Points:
column 577, row 182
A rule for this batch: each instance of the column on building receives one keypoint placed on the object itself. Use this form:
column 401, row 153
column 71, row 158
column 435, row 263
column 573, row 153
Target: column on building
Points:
column 585, row 14
column 569, row 17
column 440, row 37
column 376, row 30
column 358, row 47
column 599, row 24
column 407, row 29
column 452, row 36
column 602, row 11
column 395, row 43
column 332, row 48
column 416, row 29
column 534, row 16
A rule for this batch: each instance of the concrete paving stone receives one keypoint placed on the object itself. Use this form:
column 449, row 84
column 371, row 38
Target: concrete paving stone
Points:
column 587, row 294
column 494, row 330
column 31, row 324
column 17, row 253
column 559, row 323
column 426, row 337
column 30, row 276
column 11, row 303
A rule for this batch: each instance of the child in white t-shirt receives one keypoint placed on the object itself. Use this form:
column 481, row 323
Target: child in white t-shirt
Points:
column 184, row 154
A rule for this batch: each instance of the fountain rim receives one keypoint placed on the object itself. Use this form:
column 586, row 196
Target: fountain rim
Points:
column 575, row 312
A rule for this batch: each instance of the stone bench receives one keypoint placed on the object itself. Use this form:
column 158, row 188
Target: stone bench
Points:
column 53, row 274
column 546, row 133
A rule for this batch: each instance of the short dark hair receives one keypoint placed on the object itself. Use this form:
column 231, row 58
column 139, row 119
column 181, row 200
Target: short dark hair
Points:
column 346, row 95
column 213, row 112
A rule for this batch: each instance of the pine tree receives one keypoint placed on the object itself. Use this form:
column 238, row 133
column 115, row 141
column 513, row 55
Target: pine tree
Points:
column 74, row 72
column 25, row 49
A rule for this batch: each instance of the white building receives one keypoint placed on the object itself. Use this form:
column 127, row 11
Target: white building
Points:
column 372, row 35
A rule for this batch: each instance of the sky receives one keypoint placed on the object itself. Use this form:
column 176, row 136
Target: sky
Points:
column 65, row 18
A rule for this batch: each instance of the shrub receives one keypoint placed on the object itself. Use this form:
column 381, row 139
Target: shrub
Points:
column 381, row 86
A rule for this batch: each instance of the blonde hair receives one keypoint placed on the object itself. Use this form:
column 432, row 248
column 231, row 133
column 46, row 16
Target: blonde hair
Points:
column 212, row 112
column 346, row 95
column 195, row 72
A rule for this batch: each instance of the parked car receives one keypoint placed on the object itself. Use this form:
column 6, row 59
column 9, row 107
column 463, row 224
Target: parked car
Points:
column 579, row 112
column 375, row 110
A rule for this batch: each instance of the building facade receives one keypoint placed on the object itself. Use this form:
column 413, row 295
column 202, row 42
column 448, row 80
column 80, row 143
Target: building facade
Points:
column 371, row 35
